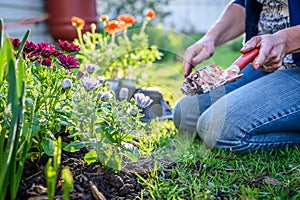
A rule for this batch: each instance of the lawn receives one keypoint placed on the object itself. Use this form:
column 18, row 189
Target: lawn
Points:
column 189, row 171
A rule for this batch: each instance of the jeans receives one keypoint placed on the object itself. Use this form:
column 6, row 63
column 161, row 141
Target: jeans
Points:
column 260, row 111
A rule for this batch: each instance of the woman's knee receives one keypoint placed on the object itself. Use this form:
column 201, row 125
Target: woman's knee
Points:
column 185, row 113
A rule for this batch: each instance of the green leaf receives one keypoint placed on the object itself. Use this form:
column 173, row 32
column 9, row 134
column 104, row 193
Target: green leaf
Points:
column 74, row 146
column 133, row 154
column 90, row 157
column 48, row 146
column 1, row 32
column 20, row 49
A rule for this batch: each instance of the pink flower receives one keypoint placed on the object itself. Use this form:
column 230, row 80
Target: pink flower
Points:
column 30, row 47
column 68, row 62
column 15, row 42
column 45, row 49
column 66, row 46
column 47, row 62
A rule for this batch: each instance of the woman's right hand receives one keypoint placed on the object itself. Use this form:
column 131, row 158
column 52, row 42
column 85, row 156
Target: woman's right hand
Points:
column 196, row 53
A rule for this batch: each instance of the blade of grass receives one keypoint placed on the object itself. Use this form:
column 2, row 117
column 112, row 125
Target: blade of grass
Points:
column 20, row 49
column 1, row 32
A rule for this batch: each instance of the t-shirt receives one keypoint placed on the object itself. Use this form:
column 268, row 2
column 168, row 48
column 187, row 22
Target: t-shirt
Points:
column 275, row 17
column 258, row 12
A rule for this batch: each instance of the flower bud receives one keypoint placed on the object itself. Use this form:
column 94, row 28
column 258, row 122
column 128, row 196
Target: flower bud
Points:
column 66, row 83
column 90, row 68
column 123, row 94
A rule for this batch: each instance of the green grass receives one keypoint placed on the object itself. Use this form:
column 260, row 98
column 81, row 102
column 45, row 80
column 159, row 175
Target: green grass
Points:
column 193, row 172
column 203, row 174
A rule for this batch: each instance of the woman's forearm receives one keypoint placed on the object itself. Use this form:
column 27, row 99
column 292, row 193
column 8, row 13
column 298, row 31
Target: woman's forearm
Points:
column 230, row 24
column 292, row 39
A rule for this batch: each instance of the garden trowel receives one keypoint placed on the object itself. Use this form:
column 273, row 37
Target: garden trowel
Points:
column 212, row 76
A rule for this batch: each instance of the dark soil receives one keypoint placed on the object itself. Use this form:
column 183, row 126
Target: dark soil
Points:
column 90, row 181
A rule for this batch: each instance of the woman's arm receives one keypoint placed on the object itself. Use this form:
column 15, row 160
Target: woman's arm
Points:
column 230, row 25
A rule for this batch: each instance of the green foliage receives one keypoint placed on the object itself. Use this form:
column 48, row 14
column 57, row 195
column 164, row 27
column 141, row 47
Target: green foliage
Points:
column 117, row 55
column 199, row 173
column 103, row 123
column 15, row 138
column 51, row 169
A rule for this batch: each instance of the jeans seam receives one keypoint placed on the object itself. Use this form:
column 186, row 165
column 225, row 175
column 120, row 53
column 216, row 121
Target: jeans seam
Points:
column 248, row 135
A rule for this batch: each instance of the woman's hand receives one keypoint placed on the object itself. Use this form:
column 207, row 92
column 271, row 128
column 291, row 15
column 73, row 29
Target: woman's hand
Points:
column 196, row 53
column 272, row 50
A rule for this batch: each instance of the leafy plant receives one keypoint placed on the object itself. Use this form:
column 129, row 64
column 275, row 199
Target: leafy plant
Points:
column 104, row 124
column 15, row 138
column 47, row 101
column 116, row 54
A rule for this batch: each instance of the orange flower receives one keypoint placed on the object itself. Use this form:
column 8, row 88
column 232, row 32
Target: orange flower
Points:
column 112, row 26
column 104, row 18
column 126, row 20
column 77, row 22
column 150, row 14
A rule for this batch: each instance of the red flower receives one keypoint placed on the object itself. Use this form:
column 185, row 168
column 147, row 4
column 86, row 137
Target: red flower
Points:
column 126, row 20
column 150, row 14
column 66, row 46
column 77, row 22
column 112, row 26
column 68, row 62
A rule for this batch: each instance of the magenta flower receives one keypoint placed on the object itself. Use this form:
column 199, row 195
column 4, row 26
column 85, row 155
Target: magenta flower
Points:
column 15, row 42
column 57, row 53
column 68, row 62
column 30, row 47
column 66, row 46
column 45, row 49
column 47, row 62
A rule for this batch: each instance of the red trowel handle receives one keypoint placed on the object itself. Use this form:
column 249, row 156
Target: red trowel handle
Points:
column 246, row 58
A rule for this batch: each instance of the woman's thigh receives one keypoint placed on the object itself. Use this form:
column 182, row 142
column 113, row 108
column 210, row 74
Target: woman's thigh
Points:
column 263, row 114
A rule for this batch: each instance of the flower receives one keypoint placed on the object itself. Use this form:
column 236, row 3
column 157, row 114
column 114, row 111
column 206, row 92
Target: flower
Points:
column 123, row 94
column 66, row 83
column 68, row 61
column 90, row 83
column 141, row 100
column 15, row 42
column 112, row 26
column 150, row 14
column 46, row 62
column 77, row 22
column 126, row 20
column 104, row 18
column 66, row 46
column 30, row 47
column 45, row 49
column 90, row 68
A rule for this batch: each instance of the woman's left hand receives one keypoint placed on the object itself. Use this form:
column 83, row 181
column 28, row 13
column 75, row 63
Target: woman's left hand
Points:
column 272, row 49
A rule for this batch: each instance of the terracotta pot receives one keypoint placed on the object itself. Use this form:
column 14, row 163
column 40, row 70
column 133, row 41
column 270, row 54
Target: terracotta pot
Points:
column 60, row 14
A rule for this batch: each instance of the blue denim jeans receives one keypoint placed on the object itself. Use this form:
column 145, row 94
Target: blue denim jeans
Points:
column 259, row 111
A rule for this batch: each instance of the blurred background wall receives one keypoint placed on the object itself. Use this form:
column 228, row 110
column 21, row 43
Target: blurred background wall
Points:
column 187, row 16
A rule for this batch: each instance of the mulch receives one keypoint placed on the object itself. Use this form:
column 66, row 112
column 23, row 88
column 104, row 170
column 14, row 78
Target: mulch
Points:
column 92, row 181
